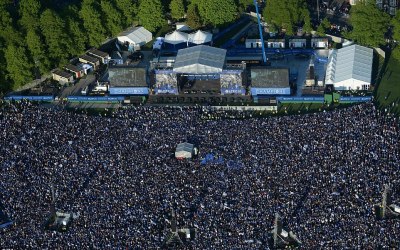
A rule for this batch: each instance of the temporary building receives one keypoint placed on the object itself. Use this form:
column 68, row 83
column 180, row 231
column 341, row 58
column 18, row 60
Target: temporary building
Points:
column 176, row 37
column 184, row 150
column 200, row 37
column 201, row 59
column 350, row 68
column 135, row 36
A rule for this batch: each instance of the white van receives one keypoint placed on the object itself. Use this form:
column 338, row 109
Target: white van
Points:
column 84, row 91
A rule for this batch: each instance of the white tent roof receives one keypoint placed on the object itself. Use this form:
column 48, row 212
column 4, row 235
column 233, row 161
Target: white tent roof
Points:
column 200, row 37
column 176, row 37
column 184, row 150
column 201, row 59
column 135, row 35
column 352, row 62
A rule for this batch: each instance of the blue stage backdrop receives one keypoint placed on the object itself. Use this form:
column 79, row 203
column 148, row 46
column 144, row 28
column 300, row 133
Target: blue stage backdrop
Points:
column 270, row 91
column 129, row 91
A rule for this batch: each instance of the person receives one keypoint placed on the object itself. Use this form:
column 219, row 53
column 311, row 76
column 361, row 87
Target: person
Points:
column 322, row 172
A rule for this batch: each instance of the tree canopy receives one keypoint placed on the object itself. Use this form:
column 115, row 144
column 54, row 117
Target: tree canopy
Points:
column 217, row 12
column 151, row 14
column 287, row 15
column 177, row 8
column 369, row 24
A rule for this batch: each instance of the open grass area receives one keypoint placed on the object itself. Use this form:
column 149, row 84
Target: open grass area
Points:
column 388, row 92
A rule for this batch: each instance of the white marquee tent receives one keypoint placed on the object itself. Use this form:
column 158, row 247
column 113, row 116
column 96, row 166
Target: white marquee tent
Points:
column 176, row 37
column 200, row 37
column 201, row 59
column 136, row 36
column 350, row 68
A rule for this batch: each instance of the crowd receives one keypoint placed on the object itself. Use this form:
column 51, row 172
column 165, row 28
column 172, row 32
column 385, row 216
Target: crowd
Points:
column 321, row 172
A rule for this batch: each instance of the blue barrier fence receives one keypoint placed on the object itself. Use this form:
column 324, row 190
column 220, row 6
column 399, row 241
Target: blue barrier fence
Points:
column 30, row 98
column 95, row 98
column 355, row 99
column 284, row 99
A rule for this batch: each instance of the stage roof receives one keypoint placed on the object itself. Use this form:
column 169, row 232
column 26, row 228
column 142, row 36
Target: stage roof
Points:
column 266, row 77
column 127, row 77
column 200, row 59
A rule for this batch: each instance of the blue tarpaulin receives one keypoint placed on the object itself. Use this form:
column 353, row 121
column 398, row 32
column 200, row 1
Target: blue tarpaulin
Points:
column 210, row 158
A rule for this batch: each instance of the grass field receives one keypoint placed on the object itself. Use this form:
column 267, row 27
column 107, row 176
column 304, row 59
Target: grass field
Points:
column 388, row 92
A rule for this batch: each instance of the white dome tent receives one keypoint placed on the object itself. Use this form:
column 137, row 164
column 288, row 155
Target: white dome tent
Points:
column 176, row 37
column 200, row 37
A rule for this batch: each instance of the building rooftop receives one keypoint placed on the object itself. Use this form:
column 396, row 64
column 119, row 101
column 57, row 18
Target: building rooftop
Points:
column 98, row 53
column 200, row 59
column 123, row 76
column 266, row 77
column 62, row 73
column 89, row 58
column 72, row 68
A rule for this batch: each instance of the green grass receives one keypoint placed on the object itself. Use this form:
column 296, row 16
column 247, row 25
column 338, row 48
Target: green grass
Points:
column 388, row 92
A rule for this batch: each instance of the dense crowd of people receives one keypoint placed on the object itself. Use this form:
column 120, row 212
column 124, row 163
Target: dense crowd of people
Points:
column 322, row 173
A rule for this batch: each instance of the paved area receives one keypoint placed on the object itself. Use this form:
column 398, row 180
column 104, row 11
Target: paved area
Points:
column 76, row 88
column 300, row 66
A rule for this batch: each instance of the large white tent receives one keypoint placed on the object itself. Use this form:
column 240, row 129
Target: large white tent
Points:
column 200, row 37
column 176, row 37
column 201, row 59
column 184, row 151
column 350, row 68
column 135, row 36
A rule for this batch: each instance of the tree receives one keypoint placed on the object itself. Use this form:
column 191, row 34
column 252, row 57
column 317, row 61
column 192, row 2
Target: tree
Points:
column 217, row 12
column 369, row 24
column 78, row 39
column 277, row 14
column 112, row 17
column 8, row 31
column 37, row 51
column 177, row 8
column 287, row 15
column 30, row 13
column 323, row 27
column 395, row 22
column 307, row 23
column 53, row 29
column 19, row 67
column 129, row 10
column 193, row 17
column 243, row 4
column 92, row 22
column 151, row 15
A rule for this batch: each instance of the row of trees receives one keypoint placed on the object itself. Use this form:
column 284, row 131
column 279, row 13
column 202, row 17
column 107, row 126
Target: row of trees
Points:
column 372, row 27
column 36, row 36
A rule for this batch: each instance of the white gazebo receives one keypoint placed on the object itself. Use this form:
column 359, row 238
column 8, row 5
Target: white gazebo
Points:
column 176, row 37
column 200, row 37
